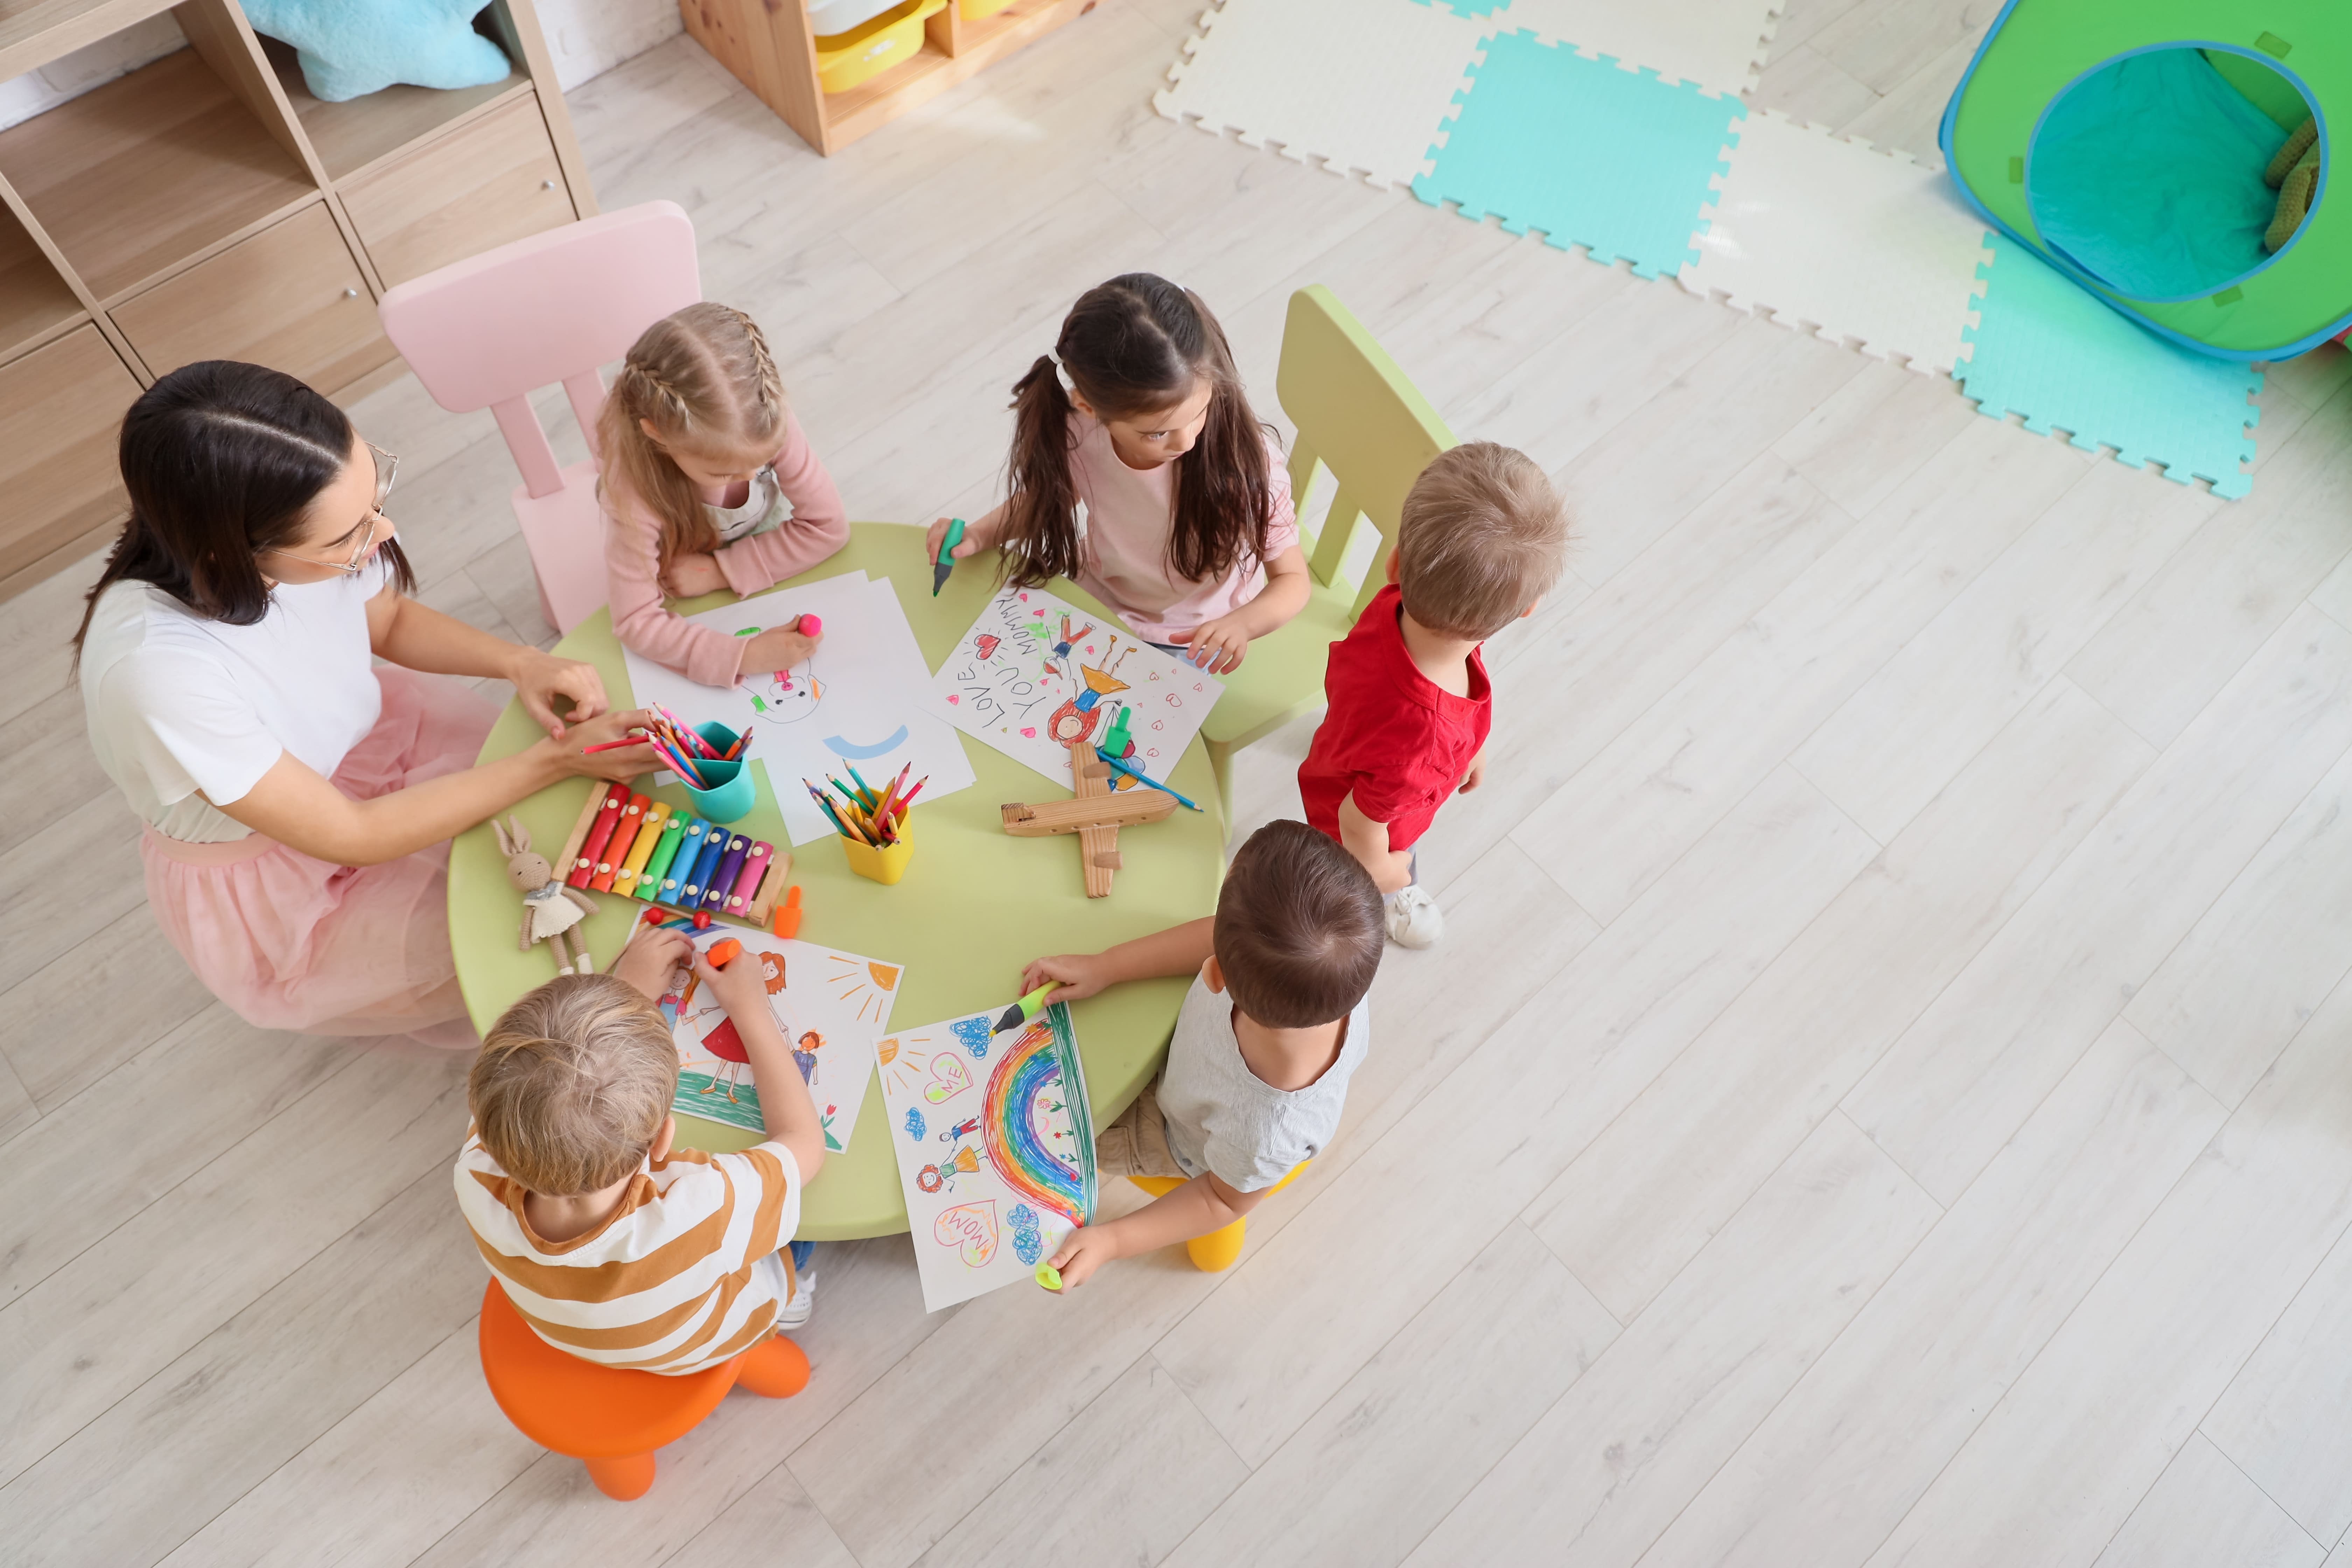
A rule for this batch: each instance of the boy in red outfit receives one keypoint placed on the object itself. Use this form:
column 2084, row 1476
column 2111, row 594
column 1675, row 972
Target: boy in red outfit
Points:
column 1484, row 536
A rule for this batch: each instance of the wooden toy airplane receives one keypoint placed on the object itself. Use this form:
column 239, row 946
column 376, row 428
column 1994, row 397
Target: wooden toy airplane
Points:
column 1096, row 817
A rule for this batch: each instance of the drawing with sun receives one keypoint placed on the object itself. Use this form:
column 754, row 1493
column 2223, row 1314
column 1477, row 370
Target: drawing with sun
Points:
column 830, row 1005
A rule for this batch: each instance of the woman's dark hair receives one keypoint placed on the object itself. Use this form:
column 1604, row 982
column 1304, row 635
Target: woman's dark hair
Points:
column 1299, row 930
column 222, row 461
column 1132, row 346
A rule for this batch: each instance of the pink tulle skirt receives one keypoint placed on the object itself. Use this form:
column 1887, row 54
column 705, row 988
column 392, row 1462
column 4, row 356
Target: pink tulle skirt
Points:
column 290, row 943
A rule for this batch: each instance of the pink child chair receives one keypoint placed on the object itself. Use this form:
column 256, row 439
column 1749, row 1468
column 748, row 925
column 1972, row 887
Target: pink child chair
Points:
column 489, row 331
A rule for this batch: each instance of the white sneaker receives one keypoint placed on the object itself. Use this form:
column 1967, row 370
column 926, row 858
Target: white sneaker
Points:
column 1414, row 919
column 794, row 1313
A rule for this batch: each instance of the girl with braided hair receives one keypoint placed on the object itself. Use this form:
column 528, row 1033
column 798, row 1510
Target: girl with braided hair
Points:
column 708, row 483
column 1140, row 472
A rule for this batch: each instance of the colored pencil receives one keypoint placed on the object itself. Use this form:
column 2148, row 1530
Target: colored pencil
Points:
column 637, row 740
column 864, row 790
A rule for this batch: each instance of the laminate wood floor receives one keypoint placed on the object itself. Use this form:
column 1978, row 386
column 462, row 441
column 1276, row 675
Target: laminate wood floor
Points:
column 1886, row 1095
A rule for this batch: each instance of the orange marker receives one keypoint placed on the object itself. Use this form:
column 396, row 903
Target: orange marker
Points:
column 786, row 922
column 724, row 952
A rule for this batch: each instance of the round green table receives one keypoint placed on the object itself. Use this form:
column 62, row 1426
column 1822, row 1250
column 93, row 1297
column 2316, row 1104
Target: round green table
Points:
column 975, row 906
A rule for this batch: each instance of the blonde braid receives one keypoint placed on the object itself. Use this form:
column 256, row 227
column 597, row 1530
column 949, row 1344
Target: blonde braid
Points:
column 770, row 394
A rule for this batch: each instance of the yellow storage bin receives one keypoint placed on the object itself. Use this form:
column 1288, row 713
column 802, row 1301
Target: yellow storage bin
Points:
column 845, row 60
column 974, row 10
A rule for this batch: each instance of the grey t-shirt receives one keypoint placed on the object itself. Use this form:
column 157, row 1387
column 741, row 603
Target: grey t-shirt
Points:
column 1224, row 1119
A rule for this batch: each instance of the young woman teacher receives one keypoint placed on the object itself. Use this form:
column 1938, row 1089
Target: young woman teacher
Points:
column 298, row 800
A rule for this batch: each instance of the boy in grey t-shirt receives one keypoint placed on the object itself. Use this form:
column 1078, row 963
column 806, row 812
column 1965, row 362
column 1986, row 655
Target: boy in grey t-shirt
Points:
column 1257, row 1072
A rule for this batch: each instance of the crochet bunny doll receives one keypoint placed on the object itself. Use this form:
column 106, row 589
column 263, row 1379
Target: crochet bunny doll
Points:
column 549, row 909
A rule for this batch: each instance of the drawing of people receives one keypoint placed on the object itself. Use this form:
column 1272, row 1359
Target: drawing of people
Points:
column 960, row 1131
column 725, row 1044
column 1075, row 720
column 962, row 1162
column 805, row 1053
column 1069, row 639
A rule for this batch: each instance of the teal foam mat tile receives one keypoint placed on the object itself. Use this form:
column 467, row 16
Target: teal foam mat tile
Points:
column 2047, row 349
column 1590, row 154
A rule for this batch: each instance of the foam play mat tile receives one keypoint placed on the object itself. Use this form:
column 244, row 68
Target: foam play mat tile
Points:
column 1585, row 151
column 1834, row 235
column 1363, row 85
column 2045, row 349
column 1715, row 43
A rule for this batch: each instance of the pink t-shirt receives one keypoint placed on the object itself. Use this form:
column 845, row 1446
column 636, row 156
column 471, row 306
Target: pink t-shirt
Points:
column 1130, row 512
column 818, row 526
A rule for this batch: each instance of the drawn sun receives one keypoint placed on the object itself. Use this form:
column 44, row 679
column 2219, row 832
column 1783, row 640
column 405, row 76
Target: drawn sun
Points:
column 868, row 987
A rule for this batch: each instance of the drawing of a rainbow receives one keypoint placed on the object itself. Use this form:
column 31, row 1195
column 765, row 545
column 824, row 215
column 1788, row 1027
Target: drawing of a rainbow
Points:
column 1045, row 1055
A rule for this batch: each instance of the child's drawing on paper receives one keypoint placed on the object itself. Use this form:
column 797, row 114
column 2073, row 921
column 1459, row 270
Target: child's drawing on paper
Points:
column 1034, row 675
column 1012, row 1156
column 831, row 1034
column 862, row 697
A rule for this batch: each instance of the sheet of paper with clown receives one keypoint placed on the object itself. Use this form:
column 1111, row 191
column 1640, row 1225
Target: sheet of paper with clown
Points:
column 995, row 1143
column 1035, row 675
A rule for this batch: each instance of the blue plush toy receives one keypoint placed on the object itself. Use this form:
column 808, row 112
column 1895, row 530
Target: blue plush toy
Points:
column 352, row 48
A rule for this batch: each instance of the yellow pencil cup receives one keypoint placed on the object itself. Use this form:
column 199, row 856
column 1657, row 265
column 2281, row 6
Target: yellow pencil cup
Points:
column 886, row 863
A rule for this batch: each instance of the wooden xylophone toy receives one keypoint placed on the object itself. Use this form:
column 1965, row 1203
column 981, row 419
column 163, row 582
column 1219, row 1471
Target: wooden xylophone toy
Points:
column 642, row 848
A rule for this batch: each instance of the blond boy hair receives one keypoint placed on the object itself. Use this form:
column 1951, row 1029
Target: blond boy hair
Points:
column 573, row 1084
column 1482, row 537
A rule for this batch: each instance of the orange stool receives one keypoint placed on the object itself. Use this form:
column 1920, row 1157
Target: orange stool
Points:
column 1221, row 1248
column 610, row 1418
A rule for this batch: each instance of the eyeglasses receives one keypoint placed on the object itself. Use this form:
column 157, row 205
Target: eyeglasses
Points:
column 387, row 468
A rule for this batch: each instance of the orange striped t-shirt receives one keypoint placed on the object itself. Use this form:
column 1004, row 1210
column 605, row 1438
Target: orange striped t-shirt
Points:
column 684, row 1274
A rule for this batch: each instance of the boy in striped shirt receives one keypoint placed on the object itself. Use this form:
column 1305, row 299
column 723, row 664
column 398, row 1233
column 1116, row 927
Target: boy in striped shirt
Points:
column 612, row 1243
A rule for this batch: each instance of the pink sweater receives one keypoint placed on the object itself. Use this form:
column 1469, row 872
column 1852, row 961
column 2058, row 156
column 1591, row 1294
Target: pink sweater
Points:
column 817, row 528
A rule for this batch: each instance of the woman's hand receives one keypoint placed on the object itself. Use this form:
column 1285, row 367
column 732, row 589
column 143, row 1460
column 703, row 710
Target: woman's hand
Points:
column 692, row 576
column 572, row 758
column 1218, row 646
column 540, row 677
column 1080, row 976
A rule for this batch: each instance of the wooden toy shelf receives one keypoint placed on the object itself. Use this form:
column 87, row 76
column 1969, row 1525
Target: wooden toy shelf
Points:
column 770, row 49
column 206, row 207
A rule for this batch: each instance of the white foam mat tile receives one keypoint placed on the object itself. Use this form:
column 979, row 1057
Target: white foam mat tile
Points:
column 1364, row 85
column 1845, row 238
column 1711, row 42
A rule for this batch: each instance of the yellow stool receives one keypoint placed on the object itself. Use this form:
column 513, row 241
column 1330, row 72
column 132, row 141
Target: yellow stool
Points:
column 1217, row 1251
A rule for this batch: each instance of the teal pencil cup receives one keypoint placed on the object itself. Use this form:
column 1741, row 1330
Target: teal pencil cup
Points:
column 732, row 789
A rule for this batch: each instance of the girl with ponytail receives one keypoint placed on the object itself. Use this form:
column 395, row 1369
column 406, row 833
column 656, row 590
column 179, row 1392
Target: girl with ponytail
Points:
column 708, row 483
column 1139, row 472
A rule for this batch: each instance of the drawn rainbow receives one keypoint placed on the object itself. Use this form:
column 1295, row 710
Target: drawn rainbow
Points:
column 1045, row 1055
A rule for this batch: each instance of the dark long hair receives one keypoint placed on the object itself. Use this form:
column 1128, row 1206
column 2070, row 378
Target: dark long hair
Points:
column 1132, row 345
column 223, row 460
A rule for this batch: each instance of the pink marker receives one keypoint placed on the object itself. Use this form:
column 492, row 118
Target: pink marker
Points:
column 811, row 626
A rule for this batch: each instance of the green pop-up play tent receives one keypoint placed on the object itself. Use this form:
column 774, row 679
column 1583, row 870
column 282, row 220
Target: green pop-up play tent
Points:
column 2125, row 141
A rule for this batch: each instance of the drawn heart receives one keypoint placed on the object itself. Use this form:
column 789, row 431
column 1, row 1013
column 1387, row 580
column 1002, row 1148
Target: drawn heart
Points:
column 947, row 1079
column 953, row 699
column 1152, row 752
column 972, row 1228
column 1029, row 734
column 1196, row 686
column 1159, row 723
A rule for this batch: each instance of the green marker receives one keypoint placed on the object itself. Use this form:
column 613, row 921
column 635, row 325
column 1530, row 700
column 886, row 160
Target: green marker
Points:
column 1021, row 1011
column 945, row 563
column 1116, row 742
column 1049, row 1276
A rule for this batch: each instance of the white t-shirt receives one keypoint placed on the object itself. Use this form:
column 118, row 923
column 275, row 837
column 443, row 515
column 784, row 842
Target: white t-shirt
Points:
column 1224, row 1119
column 176, row 703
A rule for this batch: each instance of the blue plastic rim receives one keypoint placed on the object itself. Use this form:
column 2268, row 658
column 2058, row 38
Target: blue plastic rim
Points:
column 2204, row 287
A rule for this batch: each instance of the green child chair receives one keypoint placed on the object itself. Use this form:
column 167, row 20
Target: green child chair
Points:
column 1358, row 418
